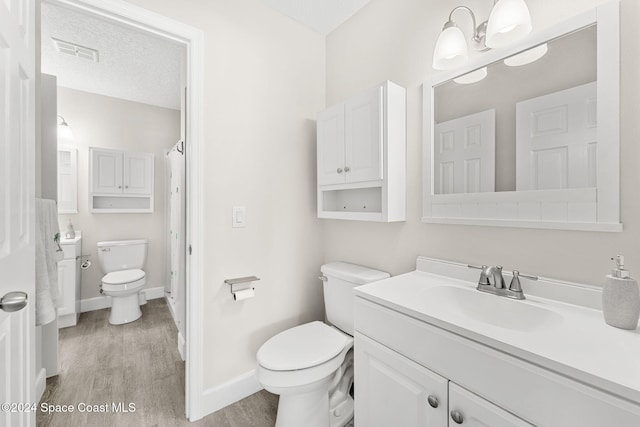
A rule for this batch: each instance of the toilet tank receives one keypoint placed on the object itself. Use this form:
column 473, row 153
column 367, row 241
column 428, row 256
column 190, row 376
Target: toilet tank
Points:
column 122, row 255
column 339, row 279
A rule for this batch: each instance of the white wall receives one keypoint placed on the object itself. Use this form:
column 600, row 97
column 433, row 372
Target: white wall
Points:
column 394, row 40
column 105, row 122
column 264, row 83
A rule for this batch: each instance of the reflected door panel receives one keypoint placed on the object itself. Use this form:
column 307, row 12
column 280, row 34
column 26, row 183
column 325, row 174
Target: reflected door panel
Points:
column 556, row 140
column 464, row 154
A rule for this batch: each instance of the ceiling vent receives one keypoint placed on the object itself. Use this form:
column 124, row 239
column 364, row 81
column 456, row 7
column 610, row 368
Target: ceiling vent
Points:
column 73, row 49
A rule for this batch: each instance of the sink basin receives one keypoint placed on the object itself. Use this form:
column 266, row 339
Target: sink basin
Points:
column 495, row 310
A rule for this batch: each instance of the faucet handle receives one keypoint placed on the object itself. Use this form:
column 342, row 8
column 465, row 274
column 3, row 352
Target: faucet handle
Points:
column 484, row 279
column 515, row 282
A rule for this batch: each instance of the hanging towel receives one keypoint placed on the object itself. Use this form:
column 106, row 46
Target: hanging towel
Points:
column 48, row 253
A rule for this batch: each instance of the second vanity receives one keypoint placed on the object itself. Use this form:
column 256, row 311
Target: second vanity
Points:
column 431, row 350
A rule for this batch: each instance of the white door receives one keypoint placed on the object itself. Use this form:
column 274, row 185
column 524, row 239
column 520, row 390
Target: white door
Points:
column 138, row 173
column 17, row 219
column 106, row 171
column 363, row 137
column 556, row 140
column 470, row 410
column 465, row 154
column 392, row 390
column 330, row 142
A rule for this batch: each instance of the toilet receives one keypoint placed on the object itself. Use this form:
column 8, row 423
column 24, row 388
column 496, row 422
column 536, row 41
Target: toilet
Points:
column 311, row 366
column 122, row 262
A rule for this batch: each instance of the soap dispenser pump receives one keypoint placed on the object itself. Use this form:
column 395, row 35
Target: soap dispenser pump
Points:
column 621, row 298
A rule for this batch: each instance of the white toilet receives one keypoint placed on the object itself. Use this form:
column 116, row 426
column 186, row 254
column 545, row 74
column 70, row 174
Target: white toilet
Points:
column 122, row 262
column 311, row 366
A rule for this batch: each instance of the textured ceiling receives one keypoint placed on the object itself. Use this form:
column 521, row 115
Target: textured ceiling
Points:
column 132, row 65
column 322, row 16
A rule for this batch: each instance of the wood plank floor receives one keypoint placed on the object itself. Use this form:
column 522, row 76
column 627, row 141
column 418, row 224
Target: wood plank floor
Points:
column 134, row 363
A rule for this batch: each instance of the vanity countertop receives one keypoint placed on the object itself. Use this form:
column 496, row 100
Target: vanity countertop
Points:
column 572, row 340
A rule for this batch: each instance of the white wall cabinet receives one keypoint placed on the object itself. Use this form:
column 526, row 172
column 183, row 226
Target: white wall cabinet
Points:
column 121, row 181
column 69, row 282
column 394, row 390
column 361, row 147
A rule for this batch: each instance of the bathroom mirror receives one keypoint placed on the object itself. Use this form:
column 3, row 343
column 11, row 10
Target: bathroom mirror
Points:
column 528, row 136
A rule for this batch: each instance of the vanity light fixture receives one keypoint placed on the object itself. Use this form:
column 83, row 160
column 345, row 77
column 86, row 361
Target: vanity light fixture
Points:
column 528, row 56
column 64, row 131
column 508, row 21
column 472, row 77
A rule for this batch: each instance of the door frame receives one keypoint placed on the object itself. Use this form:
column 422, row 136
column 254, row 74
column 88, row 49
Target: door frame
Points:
column 193, row 40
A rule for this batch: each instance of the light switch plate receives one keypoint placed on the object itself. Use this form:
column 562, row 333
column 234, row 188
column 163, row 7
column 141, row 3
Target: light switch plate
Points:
column 239, row 217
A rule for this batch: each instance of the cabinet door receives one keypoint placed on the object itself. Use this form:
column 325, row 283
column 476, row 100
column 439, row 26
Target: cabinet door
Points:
column 330, row 142
column 138, row 173
column 391, row 390
column 477, row 412
column 67, row 286
column 364, row 136
column 106, row 171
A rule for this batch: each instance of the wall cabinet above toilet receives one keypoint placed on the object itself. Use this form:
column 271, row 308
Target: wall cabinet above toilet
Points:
column 120, row 181
column 361, row 156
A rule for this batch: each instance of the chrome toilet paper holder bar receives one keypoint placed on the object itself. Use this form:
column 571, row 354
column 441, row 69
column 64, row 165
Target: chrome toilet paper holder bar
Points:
column 241, row 283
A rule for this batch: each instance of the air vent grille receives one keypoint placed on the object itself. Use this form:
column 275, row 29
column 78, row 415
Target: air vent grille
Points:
column 73, row 49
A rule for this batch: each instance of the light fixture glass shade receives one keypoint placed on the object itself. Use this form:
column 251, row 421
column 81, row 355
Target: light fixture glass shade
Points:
column 472, row 77
column 509, row 21
column 64, row 131
column 451, row 48
column 528, row 56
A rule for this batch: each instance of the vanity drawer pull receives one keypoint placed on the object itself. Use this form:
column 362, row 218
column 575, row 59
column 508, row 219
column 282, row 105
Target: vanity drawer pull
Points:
column 433, row 401
column 457, row 417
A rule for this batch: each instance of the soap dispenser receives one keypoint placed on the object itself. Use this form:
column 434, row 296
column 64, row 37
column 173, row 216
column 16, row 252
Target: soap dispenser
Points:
column 70, row 233
column 621, row 298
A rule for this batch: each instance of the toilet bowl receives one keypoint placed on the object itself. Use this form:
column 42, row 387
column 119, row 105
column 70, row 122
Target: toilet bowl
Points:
column 311, row 366
column 122, row 263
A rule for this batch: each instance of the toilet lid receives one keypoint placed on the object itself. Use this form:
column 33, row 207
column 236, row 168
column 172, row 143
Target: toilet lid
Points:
column 123, row 276
column 302, row 347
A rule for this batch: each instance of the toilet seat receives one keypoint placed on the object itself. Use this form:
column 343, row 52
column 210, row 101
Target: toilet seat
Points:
column 123, row 280
column 302, row 347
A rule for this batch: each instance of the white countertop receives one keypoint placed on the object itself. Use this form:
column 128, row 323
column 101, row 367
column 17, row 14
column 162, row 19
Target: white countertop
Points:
column 576, row 343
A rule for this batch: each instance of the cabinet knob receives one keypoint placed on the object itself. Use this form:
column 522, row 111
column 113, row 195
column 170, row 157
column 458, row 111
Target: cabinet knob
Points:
column 347, row 168
column 126, row 186
column 119, row 186
column 339, row 170
column 433, row 401
column 457, row 417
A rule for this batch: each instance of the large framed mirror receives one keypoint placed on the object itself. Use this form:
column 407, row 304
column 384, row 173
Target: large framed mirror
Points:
column 528, row 136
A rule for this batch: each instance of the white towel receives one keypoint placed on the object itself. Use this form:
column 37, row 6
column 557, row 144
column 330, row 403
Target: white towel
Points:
column 48, row 253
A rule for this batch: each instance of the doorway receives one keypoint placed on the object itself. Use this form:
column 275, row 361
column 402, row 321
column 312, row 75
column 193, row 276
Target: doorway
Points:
column 142, row 20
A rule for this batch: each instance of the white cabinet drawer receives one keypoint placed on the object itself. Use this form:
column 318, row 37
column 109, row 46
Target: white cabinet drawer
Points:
column 535, row 394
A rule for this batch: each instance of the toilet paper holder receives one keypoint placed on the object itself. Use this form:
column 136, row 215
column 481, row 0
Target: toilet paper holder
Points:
column 241, row 283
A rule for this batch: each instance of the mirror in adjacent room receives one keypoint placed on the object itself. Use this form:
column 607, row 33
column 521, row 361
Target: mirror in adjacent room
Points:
column 529, row 136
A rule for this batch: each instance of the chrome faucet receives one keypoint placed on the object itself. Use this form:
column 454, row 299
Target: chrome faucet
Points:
column 492, row 281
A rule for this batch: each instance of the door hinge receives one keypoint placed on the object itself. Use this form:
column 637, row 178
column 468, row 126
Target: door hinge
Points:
column 190, row 250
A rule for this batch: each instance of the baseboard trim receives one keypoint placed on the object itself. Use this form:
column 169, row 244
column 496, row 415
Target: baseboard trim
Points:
column 216, row 398
column 41, row 383
column 98, row 303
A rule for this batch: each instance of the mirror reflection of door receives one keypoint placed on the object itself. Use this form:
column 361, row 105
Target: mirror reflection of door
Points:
column 464, row 154
column 556, row 140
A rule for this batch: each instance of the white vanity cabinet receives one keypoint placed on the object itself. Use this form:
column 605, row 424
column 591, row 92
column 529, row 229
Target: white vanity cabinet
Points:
column 490, row 360
column 69, row 281
column 121, row 181
column 394, row 390
column 361, row 156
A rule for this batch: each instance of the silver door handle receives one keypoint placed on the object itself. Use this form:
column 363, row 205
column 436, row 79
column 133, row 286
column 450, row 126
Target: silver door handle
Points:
column 13, row 301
